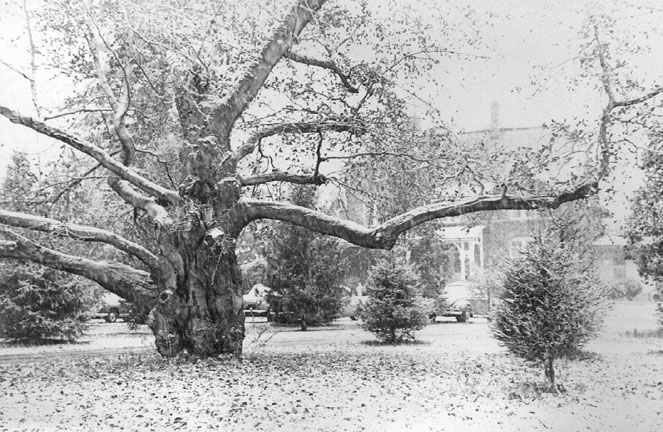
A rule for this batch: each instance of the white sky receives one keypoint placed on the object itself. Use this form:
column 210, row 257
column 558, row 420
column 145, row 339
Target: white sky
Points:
column 527, row 41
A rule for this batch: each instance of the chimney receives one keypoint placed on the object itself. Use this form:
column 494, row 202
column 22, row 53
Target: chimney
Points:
column 494, row 115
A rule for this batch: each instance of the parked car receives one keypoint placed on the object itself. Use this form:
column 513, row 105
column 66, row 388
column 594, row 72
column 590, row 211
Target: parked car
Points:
column 111, row 307
column 352, row 306
column 255, row 301
column 462, row 299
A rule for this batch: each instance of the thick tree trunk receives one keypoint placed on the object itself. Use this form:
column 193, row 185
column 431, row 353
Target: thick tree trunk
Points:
column 204, row 316
column 204, row 313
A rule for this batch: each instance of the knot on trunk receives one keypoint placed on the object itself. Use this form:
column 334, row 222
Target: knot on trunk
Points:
column 167, row 321
column 172, row 305
column 196, row 189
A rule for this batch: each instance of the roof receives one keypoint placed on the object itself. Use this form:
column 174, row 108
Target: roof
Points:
column 460, row 232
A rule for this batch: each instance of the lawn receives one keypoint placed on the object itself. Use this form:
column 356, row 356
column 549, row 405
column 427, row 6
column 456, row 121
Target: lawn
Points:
column 456, row 378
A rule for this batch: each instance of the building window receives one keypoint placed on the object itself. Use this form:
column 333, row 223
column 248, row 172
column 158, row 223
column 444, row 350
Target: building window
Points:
column 456, row 262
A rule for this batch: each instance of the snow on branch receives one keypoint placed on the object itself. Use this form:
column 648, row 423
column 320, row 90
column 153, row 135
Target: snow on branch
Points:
column 235, row 102
column 78, row 232
column 385, row 235
column 120, row 106
column 154, row 210
column 162, row 194
column 317, row 179
column 127, row 282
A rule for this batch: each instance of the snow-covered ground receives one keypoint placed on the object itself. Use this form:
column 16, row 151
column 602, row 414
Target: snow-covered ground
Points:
column 456, row 378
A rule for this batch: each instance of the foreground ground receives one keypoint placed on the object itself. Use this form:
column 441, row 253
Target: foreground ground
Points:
column 455, row 379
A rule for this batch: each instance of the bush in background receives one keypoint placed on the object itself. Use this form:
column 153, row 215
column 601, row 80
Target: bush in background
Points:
column 628, row 290
column 659, row 307
column 553, row 301
column 38, row 304
column 394, row 309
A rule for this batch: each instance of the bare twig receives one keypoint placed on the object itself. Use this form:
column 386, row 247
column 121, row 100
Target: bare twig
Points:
column 325, row 64
column 33, row 61
column 68, row 113
column 13, row 68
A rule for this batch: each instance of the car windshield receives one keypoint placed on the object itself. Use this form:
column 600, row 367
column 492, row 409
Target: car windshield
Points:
column 458, row 291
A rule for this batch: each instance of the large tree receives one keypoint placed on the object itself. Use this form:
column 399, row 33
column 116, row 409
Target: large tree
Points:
column 193, row 112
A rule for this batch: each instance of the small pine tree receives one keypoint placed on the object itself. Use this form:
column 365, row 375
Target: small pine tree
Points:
column 38, row 304
column 305, row 271
column 553, row 300
column 395, row 308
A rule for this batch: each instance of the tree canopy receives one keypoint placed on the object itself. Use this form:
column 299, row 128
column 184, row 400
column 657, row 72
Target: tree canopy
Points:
column 194, row 117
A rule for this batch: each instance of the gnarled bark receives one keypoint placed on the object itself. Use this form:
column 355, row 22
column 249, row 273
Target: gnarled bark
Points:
column 204, row 313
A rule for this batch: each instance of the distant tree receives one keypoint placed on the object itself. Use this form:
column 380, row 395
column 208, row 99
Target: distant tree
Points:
column 305, row 270
column 428, row 256
column 553, row 300
column 395, row 308
column 37, row 303
column 645, row 224
column 19, row 184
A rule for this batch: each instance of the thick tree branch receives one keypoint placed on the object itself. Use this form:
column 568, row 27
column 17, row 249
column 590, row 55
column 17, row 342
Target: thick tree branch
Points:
column 325, row 64
column 120, row 106
column 385, row 235
column 233, row 104
column 78, row 232
column 154, row 210
column 316, row 179
column 162, row 194
column 127, row 282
